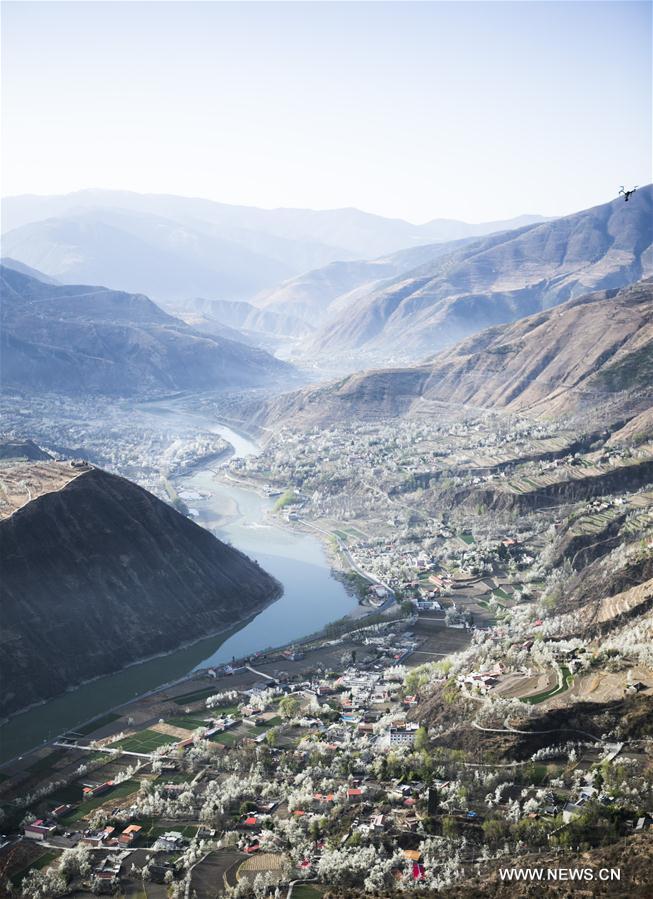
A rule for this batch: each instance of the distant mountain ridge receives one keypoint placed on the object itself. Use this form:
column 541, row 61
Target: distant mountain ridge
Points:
column 174, row 247
column 141, row 254
column 339, row 287
column 246, row 317
column 79, row 338
column 17, row 266
column 591, row 354
column 497, row 279
column 15, row 448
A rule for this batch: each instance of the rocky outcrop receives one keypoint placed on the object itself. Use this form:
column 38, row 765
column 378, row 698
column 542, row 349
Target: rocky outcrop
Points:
column 623, row 478
column 100, row 574
column 582, row 549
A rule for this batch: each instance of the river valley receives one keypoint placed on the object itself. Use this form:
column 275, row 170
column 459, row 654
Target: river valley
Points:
column 238, row 514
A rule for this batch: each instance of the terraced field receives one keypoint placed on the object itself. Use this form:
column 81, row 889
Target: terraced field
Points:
column 563, row 684
column 640, row 522
column 594, row 523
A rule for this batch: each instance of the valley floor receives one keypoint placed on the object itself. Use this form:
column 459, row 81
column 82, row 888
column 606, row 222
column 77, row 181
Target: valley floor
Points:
column 492, row 709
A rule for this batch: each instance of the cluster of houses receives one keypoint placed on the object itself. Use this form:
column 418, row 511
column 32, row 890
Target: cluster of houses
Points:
column 349, row 472
column 370, row 706
column 109, row 837
column 105, row 874
column 482, row 681
column 46, row 828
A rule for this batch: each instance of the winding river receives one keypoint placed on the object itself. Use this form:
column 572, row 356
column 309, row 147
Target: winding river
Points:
column 239, row 515
column 311, row 599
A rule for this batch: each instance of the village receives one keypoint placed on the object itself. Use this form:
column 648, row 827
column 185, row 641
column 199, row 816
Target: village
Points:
column 398, row 751
column 405, row 497
column 311, row 767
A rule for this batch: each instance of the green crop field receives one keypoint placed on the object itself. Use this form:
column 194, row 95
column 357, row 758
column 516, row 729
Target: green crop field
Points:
column 308, row 891
column 47, row 763
column 227, row 738
column 261, row 728
column 224, row 710
column 174, row 777
column 145, row 741
column 65, row 795
column 567, row 680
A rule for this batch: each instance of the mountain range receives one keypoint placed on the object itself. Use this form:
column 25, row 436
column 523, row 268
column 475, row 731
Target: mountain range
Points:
column 492, row 280
column 75, row 339
column 406, row 304
column 592, row 354
column 175, row 247
column 27, row 270
column 339, row 287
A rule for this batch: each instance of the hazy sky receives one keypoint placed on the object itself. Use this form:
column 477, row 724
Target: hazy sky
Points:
column 467, row 110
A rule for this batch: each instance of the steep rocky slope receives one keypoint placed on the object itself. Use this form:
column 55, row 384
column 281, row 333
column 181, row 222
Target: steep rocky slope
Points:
column 66, row 339
column 101, row 573
column 568, row 358
column 500, row 279
column 637, row 430
column 594, row 352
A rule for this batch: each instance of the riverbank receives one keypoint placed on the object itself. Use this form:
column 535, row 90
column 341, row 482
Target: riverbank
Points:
column 265, row 655
column 335, row 553
column 145, row 709
column 32, row 728
column 312, row 598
